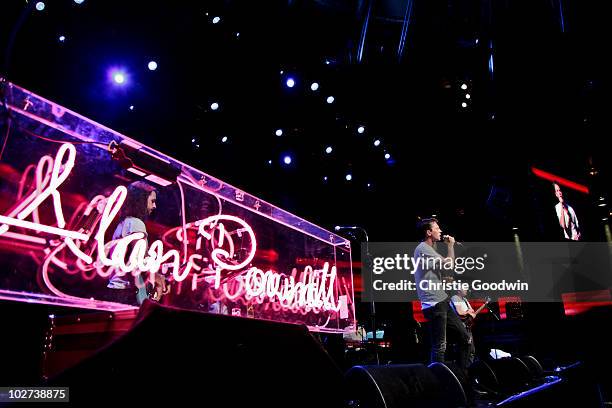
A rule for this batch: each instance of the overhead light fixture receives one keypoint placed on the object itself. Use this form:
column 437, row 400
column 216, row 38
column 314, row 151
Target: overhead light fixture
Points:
column 133, row 158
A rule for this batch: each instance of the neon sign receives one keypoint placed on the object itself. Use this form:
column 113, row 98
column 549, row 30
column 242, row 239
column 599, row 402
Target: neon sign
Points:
column 310, row 290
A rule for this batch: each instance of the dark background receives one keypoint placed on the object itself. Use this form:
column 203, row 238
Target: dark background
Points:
column 542, row 104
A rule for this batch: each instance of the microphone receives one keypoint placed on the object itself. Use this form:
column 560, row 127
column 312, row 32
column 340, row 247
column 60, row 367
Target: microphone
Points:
column 445, row 239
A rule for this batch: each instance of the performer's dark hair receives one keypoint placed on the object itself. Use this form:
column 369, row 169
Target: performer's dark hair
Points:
column 425, row 225
column 135, row 204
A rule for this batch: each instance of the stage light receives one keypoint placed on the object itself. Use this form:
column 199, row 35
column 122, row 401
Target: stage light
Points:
column 79, row 1
column 287, row 160
column 324, row 178
column 270, row 162
column 514, row 228
column 387, row 156
column 349, row 177
column 237, row 35
column 377, row 143
column 40, row 6
column 193, row 140
column 463, row 86
column 314, row 86
column 215, row 20
column 131, row 107
column 290, row 82
column 328, row 150
column 279, row 132
column 152, row 65
column 330, row 99
column 214, row 106
column 118, row 76
column 224, row 139
column 601, row 204
column 369, row 185
column 467, row 96
column 337, row 228
column 134, row 158
column 360, row 129
column 62, row 38
column 463, row 105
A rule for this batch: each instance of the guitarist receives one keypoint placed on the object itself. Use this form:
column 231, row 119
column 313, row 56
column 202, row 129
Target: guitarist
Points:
column 140, row 202
column 466, row 313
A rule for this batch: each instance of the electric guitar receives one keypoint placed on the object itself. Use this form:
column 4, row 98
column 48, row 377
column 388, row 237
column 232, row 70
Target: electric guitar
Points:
column 469, row 320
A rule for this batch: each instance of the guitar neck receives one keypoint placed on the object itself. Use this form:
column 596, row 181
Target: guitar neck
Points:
column 480, row 308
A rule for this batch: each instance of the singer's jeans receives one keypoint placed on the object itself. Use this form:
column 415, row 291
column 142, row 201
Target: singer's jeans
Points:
column 442, row 316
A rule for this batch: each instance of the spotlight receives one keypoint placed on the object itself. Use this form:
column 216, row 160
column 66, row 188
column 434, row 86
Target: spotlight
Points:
column 79, row 1
column 324, row 178
column 279, row 132
column 40, row 6
column 314, row 86
column 468, row 96
column 360, row 129
column 349, row 177
column 328, row 150
column 514, row 228
column 330, row 99
column 117, row 76
column 215, row 20
column 287, row 160
column 62, row 38
column 369, row 185
column 193, row 140
column 337, row 228
column 463, row 86
column 270, row 162
column 214, row 106
column 224, row 139
column 131, row 107
column 377, row 143
column 290, row 82
column 601, row 204
column 387, row 156
column 152, row 65
column 463, row 105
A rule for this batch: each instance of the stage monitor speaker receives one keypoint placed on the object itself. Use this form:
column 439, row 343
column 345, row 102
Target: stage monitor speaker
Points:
column 179, row 357
column 404, row 385
column 504, row 376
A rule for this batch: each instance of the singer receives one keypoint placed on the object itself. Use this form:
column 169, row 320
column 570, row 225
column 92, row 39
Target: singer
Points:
column 435, row 303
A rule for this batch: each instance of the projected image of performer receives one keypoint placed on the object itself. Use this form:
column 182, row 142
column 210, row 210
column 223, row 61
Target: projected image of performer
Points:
column 140, row 202
column 566, row 216
column 436, row 303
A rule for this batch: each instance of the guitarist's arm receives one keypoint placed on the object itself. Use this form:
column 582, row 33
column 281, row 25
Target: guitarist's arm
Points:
column 460, row 307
